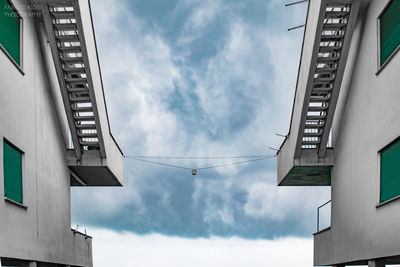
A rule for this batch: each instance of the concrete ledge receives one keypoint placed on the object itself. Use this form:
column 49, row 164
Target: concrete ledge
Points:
column 323, row 230
column 15, row 203
column 308, row 170
column 92, row 170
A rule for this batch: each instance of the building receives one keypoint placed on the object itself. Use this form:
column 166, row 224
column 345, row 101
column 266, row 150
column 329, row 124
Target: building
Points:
column 345, row 128
column 54, row 130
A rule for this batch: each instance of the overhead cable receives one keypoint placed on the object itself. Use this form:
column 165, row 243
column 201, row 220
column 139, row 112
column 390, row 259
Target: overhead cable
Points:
column 160, row 163
column 201, row 168
column 197, row 157
column 234, row 163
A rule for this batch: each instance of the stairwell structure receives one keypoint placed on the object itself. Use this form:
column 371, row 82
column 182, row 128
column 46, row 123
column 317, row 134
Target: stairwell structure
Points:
column 55, row 130
column 344, row 130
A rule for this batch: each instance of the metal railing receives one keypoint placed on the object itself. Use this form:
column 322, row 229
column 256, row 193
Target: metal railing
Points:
column 326, row 220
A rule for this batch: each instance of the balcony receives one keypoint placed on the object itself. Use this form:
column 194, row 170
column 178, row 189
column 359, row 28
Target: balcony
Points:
column 323, row 247
column 323, row 237
column 95, row 158
column 304, row 158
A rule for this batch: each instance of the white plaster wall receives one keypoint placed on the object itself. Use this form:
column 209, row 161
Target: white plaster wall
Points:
column 368, row 118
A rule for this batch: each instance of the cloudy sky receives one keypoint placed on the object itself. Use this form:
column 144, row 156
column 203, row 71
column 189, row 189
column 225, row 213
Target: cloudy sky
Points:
column 198, row 78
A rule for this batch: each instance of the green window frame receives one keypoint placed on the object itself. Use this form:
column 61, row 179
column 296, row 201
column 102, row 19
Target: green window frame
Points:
column 11, row 29
column 389, row 31
column 12, row 169
column 390, row 171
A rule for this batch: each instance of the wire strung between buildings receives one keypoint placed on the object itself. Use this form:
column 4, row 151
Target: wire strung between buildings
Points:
column 198, row 157
column 234, row 163
column 263, row 157
column 158, row 163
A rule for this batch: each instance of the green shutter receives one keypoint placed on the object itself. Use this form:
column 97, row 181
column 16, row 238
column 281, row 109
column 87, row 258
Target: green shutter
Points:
column 12, row 161
column 390, row 30
column 10, row 30
column 390, row 172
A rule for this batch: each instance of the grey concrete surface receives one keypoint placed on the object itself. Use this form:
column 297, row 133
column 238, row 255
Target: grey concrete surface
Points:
column 368, row 118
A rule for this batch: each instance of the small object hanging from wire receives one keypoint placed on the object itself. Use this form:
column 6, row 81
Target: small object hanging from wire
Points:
column 194, row 171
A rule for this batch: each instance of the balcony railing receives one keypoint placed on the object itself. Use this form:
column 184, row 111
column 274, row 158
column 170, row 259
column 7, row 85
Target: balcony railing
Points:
column 324, row 216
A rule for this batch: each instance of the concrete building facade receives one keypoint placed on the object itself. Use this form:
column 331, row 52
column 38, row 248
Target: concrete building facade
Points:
column 54, row 130
column 345, row 128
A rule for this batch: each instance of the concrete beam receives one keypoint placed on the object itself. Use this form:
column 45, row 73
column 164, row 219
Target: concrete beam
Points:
column 308, row 170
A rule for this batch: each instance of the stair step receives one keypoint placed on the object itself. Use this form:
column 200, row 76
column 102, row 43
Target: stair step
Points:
column 84, row 118
column 312, row 134
column 72, row 60
column 315, row 126
column 315, row 117
column 317, row 142
column 316, row 108
column 327, row 79
column 325, row 70
column 320, row 81
column 66, row 26
column 336, row 14
column 327, row 59
column 319, row 98
column 86, row 126
column 321, row 90
column 70, row 49
column 76, row 80
column 324, row 49
column 68, row 38
column 85, row 99
column 82, row 109
column 86, row 143
column 334, row 25
column 63, row 14
column 87, row 135
column 331, row 38
column 75, row 70
column 78, row 90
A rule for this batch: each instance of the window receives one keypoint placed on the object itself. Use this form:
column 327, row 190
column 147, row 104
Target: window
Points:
column 12, row 166
column 389, row 24
column 10, row 28
column 390, row 171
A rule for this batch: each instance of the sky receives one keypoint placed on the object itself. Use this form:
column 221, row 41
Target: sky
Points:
column 198, row 78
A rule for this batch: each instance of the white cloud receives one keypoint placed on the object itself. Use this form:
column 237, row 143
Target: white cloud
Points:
column 140, row 72
column 139, row 75
column 130, row 250
column 279, row 203
column 204, row 12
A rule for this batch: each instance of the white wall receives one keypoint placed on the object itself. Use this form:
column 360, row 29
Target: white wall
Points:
column 368, row 118
column 29, row 119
